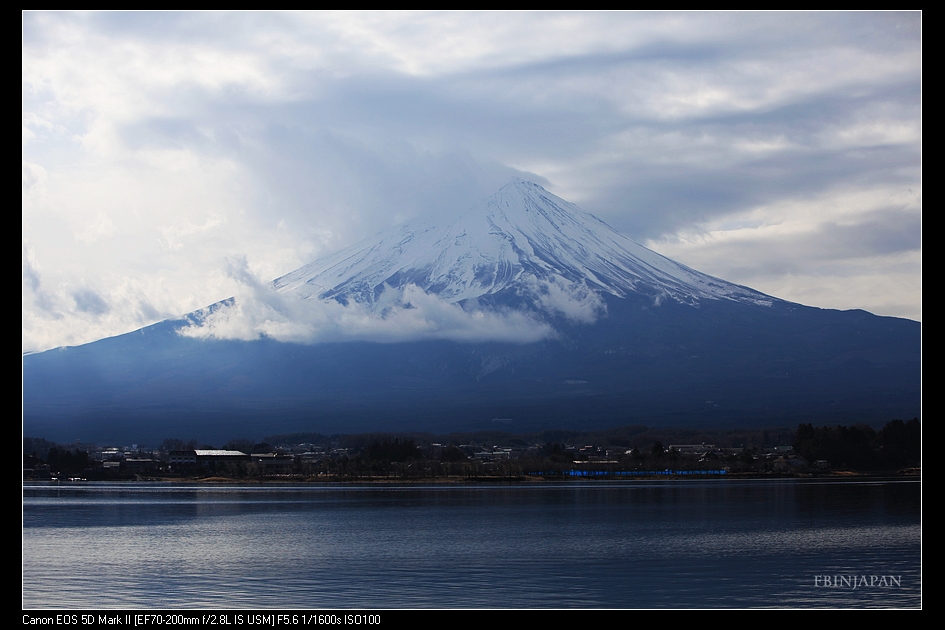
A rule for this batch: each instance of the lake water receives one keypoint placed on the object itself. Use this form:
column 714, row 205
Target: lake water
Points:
column 631, row 544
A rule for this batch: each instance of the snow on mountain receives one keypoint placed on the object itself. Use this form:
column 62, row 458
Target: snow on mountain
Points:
column 520, row 237
column 541, row 258
column 524, row 251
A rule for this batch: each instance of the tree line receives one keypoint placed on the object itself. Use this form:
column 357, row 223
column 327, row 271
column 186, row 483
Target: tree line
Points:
column 897, row 445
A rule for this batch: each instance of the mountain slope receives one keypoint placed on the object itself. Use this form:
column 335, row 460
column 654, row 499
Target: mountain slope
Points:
column 668, row 346
column 520, row 235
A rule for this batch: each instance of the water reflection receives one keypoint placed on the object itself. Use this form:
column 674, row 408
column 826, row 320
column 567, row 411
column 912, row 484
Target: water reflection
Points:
column 710, row 543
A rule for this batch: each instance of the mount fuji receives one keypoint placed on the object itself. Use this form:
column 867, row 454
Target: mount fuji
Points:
column 525, row 309
column 521, row 235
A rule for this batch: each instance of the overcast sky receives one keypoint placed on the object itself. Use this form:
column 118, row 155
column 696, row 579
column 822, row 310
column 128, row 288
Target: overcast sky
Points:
column 781, row 151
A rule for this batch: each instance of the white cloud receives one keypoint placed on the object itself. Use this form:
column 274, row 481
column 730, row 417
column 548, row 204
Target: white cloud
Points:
column 404, row 315
column 846, row 248
column 573, row 300
column 102, row 227
column 155, row 145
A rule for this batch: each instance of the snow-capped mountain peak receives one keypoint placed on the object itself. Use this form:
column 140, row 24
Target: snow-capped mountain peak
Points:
column 521, row 236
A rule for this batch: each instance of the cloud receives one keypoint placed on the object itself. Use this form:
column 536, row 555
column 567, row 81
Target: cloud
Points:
column 157, row 144
column 409, row 314
column 824, row 249
column 101, row 228
column 88, row 301
column 32, row 287
column 572, row 300
column 31, row 276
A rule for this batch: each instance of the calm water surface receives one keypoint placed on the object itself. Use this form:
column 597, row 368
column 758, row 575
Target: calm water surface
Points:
column 667, row 543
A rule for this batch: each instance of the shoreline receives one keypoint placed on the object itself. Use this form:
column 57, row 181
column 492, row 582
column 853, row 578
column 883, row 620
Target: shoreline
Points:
column 913, row 473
